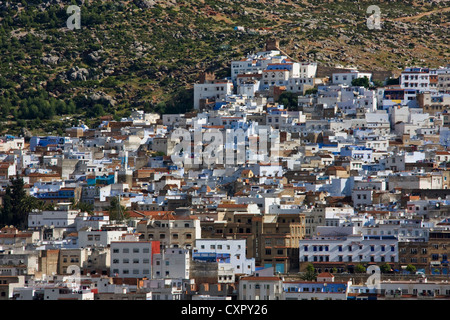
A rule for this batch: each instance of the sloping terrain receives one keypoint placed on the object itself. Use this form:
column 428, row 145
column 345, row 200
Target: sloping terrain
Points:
column 147, row 54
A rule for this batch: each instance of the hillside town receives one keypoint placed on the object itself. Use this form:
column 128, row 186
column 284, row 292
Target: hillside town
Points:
column 343, row 194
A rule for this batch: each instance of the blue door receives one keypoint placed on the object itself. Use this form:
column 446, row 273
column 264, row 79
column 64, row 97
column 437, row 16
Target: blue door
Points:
column 279, row 268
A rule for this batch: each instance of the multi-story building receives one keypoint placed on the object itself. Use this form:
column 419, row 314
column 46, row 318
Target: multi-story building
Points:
column 216, row 90
column 61, row 220
column 415, row 78
column 413, row 253
column 345, row 252
column 271, row 239
column 261, row 288
column 438, row 252
column 433, row 103
column 347, row 77
column 171, row 263
column 443, row 83
column 88, row 237
column 226, row 251
column 170, row 230
column 133, row 259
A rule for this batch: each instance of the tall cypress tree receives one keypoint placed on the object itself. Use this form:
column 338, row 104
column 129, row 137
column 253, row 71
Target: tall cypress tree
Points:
column 6, row 212
column 16, row 205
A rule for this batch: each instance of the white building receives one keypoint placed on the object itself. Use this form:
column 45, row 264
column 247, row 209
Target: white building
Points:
column 261, row 288
column 171, row 263
column 232, row 252
column 351, row 248
column 346, row 77
column 133, row 259
column 88, row 237
column 415, row 78
column 216, row 90
column 61, row 220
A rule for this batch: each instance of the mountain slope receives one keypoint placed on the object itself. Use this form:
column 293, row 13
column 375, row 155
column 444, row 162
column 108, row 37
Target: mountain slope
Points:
column 147, row 54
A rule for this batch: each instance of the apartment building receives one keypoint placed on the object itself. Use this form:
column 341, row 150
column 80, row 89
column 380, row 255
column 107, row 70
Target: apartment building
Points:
column 171, row 263
column 170, row 230
column 343, row 253
column 227, row 251
column 260, row 288
column 413, row 253
column 415, row 78
column 133, row 259
column 346, row 78
column 216, row 90
column 438, row 252
column 60, row 220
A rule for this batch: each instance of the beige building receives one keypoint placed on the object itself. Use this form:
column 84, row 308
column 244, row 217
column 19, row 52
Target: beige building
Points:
column 171, row 230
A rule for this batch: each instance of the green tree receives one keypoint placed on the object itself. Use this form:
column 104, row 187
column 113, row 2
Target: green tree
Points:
column 84, row 207
column 386, row 267
column 311, row 91
column 411, row 268
column 289, row 100
column 116, row 211
column 310, row 274
column 360, row 268
column 361, row 82
column 17, row 205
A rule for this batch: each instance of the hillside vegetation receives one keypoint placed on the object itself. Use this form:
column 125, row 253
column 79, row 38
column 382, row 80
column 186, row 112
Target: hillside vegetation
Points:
column 147, row 54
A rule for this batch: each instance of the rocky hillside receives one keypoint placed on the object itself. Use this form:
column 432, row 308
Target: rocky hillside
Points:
column 148, row 53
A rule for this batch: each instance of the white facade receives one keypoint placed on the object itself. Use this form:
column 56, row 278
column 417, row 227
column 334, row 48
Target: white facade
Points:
column 98, row 238
column 260, row 288
column 415, row 78
column 131, row 259
column 352, row 248
column 171, row 263
column 234, row 249
column 346, row 78
column 217, row 90
column 62, row 218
